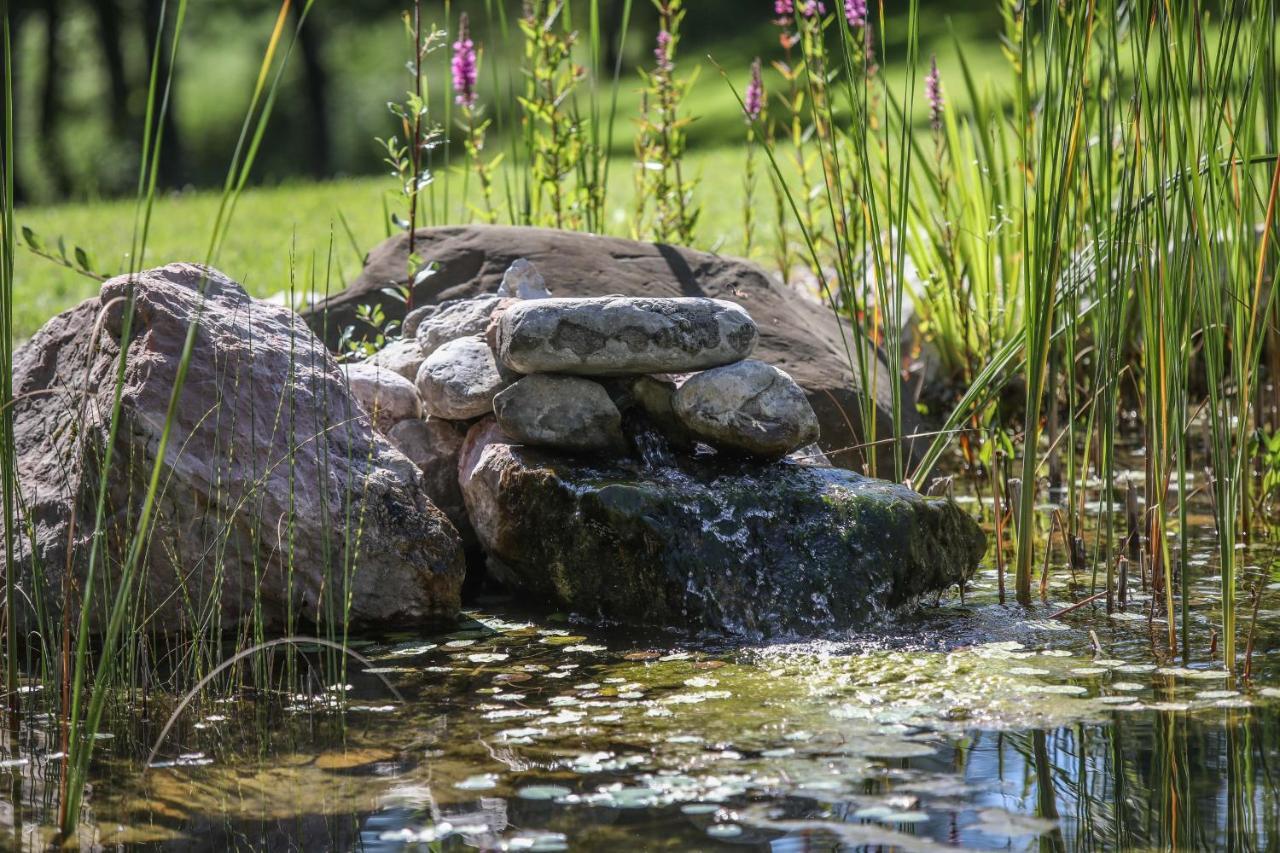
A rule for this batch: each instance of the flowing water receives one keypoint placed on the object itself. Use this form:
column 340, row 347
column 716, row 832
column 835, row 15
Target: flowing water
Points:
column 967, row 724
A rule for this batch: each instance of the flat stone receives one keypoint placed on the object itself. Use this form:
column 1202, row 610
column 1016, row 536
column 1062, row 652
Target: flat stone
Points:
column 458, row 380
column 623, row 335
column 275, row 484
column 463, row 318
column 742, row 547
column 386, row 395
column 401, row 356
column 435, row 445
column 749, row 407
column 563, row 412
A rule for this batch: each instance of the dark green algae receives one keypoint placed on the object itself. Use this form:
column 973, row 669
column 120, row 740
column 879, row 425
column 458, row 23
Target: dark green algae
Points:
column 748, row 549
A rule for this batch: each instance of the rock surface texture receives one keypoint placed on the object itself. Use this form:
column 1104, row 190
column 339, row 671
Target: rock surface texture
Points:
column 623, row 336
column 267, row 455
column 435, row 446
column 402, row 356
column 463, row 318
column 749, row 407
column 459, row 380
column 385, row 394
column 751, row 549
column 798, row 335
column 561, row 412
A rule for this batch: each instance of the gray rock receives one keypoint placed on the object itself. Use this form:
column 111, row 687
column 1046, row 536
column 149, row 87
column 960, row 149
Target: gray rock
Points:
column 523, row 281
column 747, row 548
column 386, row 395
column 401, row 356
column 412, row 320
column 622, row 335
column 464, row 318
column 458, row 380
column 749, row 407
column 277, row 496
column 563, row 412
column 435, row 445
column 806, row 339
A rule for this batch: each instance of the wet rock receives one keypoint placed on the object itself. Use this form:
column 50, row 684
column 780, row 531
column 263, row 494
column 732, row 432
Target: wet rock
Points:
column 563, row 412
column 435, row 445
column 458, row 381
column 652, row 397
column 464, row 318
column 799, row 335
column 749, row 407
column 386, row 395
column 401, row 356
column 523, row 281
column 623, row 335
column 751, row 549
column 274, row 486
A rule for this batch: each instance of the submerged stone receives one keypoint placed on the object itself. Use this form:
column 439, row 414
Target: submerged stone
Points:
column 756, row 550
column 621, row 335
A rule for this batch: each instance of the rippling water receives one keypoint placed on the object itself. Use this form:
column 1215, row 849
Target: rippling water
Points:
column 966, row 725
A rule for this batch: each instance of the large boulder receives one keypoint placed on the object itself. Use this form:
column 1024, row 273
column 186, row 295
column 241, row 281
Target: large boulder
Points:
column 276, row 497
column 802, row 337
column 623, row 336
column 751, row 549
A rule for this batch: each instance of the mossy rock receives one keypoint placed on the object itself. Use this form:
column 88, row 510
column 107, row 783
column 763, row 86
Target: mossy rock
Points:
column 751, row 549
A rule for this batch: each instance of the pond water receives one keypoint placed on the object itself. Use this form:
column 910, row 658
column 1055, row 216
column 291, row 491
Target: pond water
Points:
column 968, row 724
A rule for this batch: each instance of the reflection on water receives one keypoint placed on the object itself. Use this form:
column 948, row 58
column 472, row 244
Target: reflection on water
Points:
column 967, row 725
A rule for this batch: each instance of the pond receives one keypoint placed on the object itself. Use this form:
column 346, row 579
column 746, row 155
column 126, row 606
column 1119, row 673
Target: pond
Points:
column 968, row 724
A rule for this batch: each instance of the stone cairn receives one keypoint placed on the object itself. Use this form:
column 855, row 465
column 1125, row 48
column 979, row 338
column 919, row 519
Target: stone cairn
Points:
column 586, row 376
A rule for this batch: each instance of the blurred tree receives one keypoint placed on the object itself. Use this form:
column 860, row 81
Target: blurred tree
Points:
column 157, row 32
column 315, row 84
column 51, row 112
column 108, row 14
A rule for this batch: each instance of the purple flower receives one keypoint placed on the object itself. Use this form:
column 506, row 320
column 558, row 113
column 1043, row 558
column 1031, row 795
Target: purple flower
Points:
column 856, row 12
column 933, row 91
column 662, row 52
column 787, row 8
column 753, row 102
column 464, row 65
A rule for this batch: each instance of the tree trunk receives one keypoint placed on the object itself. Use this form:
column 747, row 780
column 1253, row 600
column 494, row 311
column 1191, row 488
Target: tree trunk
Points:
column 109, row 39
column 315, row 82
column 155, row 30
column 50, row 120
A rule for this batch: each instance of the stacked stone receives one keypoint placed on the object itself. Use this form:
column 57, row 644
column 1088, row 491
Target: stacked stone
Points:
column 582, row 375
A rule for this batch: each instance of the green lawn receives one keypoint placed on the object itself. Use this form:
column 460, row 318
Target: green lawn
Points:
column 288, row 233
